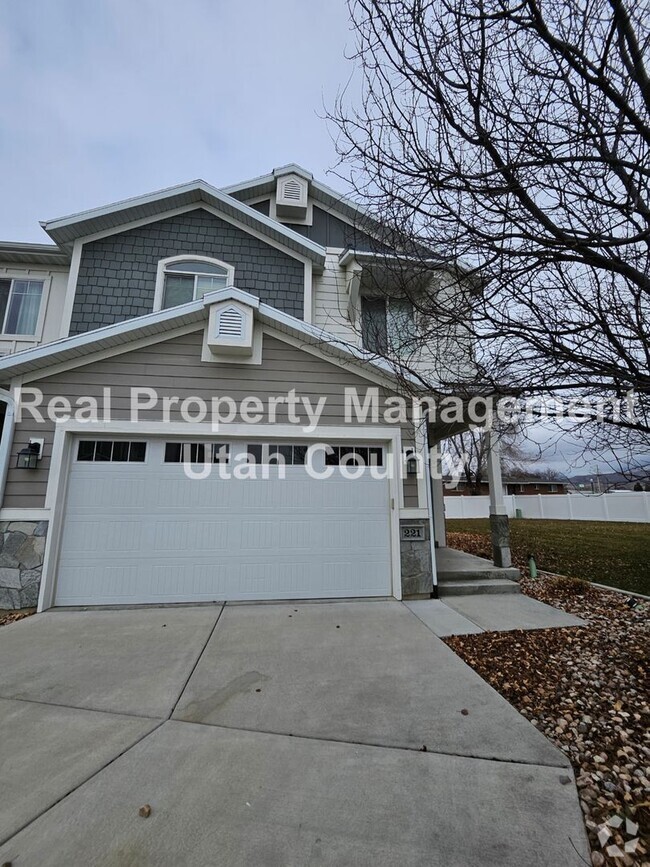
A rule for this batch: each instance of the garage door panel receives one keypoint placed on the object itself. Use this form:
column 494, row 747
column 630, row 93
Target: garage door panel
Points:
column 180, row 533
column 145, row 532
column 122, row 490
column 85, row 537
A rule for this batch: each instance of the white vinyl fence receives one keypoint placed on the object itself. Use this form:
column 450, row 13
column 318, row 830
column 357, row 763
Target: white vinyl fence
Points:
column 617, row 506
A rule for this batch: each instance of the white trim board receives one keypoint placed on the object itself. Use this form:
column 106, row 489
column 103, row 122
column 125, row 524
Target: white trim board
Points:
column 25, row 514
column 412, row 514
column 186, row 257
column 71, row 289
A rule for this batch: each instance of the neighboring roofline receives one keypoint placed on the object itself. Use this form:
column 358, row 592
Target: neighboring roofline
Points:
column 81, row 346
column 66, row 229
column 507, row 481
column 21, row 252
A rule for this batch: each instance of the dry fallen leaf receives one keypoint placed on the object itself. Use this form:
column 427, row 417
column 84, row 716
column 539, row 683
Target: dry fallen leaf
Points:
column 586, row 689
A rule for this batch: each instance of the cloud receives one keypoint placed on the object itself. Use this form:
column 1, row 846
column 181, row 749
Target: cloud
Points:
column 112, row 98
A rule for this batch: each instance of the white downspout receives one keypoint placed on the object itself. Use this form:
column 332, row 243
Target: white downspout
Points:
column 7, row 439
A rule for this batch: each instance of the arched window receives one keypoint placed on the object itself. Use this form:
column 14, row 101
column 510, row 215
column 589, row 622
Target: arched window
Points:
column 185, row 278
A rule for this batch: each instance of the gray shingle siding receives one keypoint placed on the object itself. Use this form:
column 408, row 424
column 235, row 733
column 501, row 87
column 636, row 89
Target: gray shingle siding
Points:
column 328, row 231
column 117, row 275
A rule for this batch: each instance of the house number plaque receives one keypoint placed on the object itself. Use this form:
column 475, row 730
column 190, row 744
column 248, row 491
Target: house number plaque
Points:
column 412, row 531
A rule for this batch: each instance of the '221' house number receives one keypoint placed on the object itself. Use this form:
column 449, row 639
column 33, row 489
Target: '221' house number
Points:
column 412, row 531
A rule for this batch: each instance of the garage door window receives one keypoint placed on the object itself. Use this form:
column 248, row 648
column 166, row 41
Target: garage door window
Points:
column 362, row 456
column 289, row 455
column 197, row 453
column 116, row 451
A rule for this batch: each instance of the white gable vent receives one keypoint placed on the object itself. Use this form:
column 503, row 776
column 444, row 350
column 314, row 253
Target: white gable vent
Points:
column 291, row 197
column 230, row 329
column 292, row 189
column 231, row 323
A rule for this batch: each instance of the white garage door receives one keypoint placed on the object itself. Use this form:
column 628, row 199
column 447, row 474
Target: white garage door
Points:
column 136, row 529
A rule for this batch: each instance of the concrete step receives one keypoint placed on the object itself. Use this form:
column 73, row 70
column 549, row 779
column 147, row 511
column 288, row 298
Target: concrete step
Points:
column 467, row 587
column 490, row 573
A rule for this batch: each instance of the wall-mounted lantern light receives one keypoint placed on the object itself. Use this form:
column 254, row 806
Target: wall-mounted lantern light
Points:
column 28, row 458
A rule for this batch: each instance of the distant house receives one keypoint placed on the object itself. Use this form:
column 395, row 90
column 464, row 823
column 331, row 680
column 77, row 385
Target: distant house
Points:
column 516, row 486
column 534, row 486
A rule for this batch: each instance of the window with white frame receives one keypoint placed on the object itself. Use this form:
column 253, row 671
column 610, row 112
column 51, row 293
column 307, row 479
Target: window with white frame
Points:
column 197, row 453
column 289, row 455
column 387, row 325
column 115, row 451
column 187, row 279
column 20, row 305
column 356, row 456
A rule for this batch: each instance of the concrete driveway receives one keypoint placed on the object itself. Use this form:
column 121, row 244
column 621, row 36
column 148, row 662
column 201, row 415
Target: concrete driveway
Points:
column 267, row 734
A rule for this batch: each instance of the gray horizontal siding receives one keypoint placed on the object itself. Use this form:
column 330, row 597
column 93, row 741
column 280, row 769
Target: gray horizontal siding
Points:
column 174, row 368
column 117, row 275
column 411, row 492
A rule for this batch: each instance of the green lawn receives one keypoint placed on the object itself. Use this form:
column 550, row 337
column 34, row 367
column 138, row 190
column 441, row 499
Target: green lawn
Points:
column 606, row 552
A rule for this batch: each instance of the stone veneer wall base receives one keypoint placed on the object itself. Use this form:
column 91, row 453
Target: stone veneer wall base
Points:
column 415, row 556
column 22, row 549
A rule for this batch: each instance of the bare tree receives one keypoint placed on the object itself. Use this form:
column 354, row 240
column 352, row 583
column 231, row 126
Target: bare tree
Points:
column 470, row 450
column 507, row 144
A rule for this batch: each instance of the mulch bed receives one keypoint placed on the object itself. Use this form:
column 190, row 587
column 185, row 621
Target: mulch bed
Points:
column 588, row 690
column 7, row 617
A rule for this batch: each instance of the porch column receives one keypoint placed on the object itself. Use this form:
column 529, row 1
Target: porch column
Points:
column 438, row 496
column 499, row 528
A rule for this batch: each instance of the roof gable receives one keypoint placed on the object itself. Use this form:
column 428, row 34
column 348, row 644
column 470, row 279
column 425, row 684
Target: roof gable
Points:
column 118, row 216
column 329, row 198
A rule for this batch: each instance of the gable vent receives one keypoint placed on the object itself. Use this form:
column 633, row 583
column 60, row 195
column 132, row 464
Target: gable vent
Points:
column 292, row 190
column 291, row 198
column 231, row 323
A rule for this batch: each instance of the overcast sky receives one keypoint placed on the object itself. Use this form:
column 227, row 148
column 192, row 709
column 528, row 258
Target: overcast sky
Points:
column 105, row 99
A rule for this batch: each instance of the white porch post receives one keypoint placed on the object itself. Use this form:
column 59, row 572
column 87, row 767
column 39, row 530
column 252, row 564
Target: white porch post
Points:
column 499, row 528
column 438, row 494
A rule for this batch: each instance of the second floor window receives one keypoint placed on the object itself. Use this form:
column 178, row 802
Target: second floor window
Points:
column 190, row 279
column 387, row 325
column 20, row 304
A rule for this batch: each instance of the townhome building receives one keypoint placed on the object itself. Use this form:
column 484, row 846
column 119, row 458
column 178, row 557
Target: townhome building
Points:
column 189, row 380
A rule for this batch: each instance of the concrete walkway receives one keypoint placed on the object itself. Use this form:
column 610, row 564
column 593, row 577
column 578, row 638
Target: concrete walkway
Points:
column 267, row 734
column 466, row 615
